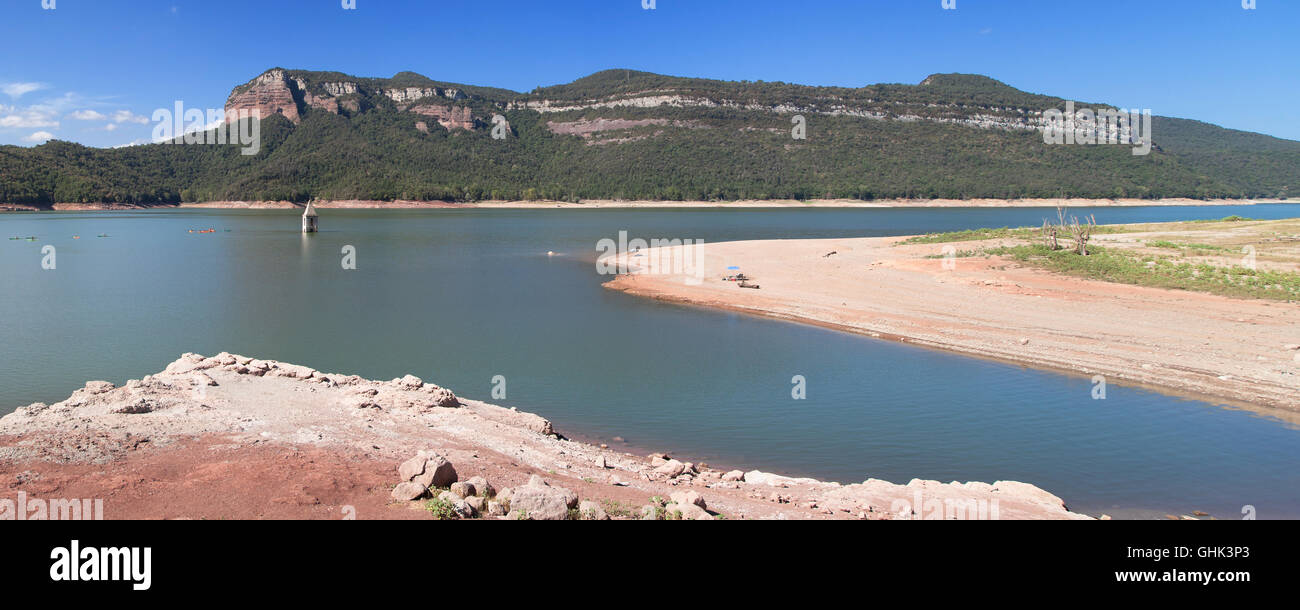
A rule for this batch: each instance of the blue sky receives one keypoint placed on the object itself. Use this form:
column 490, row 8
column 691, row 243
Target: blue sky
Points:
column 93, row 71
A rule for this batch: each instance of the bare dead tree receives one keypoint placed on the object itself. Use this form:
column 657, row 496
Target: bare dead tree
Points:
column 1049, row 235
column 1081, row 233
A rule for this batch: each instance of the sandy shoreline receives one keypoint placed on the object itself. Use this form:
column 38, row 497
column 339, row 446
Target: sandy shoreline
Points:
column 594, row 204
column 1192, row 344
column 235, row 437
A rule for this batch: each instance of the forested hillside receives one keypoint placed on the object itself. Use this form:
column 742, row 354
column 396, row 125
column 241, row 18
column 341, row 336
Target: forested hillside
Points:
column 622, row 134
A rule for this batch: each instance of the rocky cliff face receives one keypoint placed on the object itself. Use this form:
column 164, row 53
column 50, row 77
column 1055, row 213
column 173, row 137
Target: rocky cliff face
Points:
column 411, row 94
column 450, row 117
column 278, row 92
column 267, row 94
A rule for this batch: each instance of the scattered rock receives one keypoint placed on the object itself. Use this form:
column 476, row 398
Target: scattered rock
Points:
column 688, row 497
column 444, row 398
column 477, row 503
column 495, row 509
column 185, row 364
column 224, row 359
column 450, row 497
column 139, row 405
column 411, row 468
column 734, row 475
column 98, row 387
column 670, row 468
column 592, row 511
column 687, row 512
column 292, row 371
column 542, row 502
column 458, row 503
column 428, row 469
column 482, row 487
column 463, row 489
column 405, row 492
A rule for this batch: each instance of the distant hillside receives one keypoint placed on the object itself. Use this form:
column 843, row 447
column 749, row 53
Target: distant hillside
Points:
column 622, row 134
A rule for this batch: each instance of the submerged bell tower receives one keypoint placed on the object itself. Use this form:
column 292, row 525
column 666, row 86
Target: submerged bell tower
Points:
column 309, row 219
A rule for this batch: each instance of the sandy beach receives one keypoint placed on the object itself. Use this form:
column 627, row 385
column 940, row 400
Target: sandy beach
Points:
column 1242, row 352
column 233, row 437
column 602, row 203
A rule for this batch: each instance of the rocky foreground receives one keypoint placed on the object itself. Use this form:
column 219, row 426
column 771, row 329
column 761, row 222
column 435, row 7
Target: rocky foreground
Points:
column 236, row 437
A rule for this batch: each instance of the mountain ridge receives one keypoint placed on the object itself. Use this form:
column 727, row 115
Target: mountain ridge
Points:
column 626, row 134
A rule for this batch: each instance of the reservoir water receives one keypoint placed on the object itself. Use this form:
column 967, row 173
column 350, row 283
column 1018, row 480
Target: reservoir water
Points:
column 460, row 296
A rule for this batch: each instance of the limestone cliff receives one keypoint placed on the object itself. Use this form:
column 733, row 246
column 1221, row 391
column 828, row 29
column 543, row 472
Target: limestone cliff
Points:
column 450, row 117
column 266, row 95
column 290, row 94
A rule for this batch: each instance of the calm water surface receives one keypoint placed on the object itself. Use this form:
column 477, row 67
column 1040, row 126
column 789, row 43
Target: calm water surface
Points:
column 458, row 296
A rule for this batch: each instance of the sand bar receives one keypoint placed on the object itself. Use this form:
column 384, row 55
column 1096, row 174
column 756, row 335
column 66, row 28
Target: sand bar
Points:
column 1233, row 350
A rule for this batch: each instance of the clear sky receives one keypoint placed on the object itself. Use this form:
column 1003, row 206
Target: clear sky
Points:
column 93, row 71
